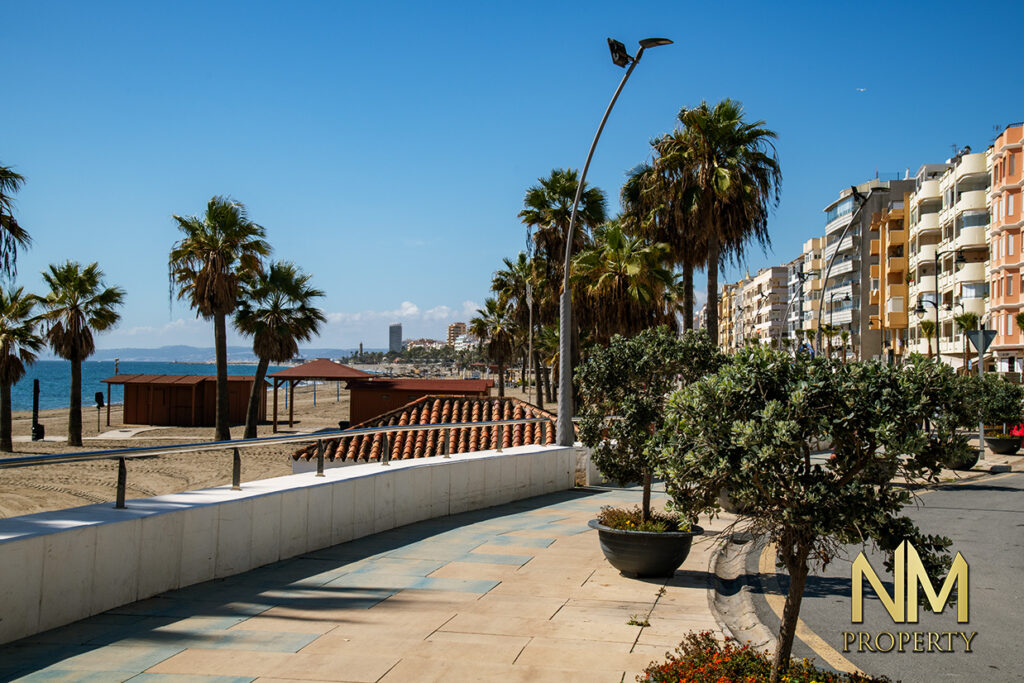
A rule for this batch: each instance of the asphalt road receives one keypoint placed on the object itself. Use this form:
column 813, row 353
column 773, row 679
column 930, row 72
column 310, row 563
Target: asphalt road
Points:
column 985, row 520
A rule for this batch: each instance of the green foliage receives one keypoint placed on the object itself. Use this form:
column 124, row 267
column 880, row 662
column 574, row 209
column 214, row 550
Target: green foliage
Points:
column 700, row 658
column 632, row 519
column 1001, row 401
column 625, row 386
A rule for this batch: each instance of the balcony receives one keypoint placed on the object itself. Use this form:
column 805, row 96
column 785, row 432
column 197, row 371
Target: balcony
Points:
column 929, row 190
column 874, row 297
column 925, row 283
column 976, row 306
column 896, row 263
column 875, row 271
column 971, row 164
column 812, row 285
column 974, row 236
column 840, row 317
column 876, row 247
column 895, row 305
column 843, row 267
column 972, row 272
column 927, row 223
column 971, row 201
column 926, row 254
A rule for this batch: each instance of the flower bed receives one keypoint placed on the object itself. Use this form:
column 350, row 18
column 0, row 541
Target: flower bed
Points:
column 702, row 659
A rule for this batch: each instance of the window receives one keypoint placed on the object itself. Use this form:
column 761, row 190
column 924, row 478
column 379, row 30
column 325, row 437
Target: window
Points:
column 1009, row 285
column 1010, row 163
column 976, row 290
column 1009, row 245
column 1009, row 206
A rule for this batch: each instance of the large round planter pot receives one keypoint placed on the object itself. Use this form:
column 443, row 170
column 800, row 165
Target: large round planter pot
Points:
column 645, row 553
column 1003, row 446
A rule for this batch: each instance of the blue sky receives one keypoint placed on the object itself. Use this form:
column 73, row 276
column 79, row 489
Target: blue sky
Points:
column 386, row 146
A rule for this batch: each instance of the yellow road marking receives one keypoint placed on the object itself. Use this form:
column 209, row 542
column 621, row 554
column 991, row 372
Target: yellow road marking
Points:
column 766, row 565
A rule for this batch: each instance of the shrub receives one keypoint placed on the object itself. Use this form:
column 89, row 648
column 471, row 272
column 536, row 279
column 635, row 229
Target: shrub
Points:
column 1001, row 400
column 702, row 659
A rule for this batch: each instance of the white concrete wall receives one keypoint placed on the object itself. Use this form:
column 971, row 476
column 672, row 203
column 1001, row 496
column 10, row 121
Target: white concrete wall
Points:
column 58, row 567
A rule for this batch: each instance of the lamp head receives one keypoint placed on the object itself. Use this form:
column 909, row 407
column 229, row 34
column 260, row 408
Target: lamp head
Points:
column 654, row 42
column 960, row 256
column 919, row 309
column 619, row 55
column 847, row 298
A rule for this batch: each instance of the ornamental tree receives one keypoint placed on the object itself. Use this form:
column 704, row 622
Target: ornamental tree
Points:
column 625, row 386
column 1001, row 400
column 750, row 428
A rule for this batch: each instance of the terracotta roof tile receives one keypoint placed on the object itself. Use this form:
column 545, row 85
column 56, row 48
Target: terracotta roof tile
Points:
column 429, row 443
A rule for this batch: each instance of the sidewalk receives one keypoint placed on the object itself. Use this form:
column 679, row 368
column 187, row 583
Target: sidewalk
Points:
column 519, row 592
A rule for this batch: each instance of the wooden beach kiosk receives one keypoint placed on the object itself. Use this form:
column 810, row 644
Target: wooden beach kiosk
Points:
column 321, row 369
column 373, row 397
column 182, row 400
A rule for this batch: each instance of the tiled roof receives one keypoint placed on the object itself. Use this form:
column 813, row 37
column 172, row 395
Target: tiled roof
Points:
column 172, row 379
column 439, row 410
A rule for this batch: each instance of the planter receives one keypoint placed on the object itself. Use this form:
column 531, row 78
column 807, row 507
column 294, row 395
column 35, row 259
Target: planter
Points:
column 645, row 553
column 1003, row 446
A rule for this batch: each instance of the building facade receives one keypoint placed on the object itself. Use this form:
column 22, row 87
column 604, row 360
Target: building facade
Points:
column 455, row 330
column 890, row 278
column 813, row 268
column 1007, row 251
column 763, row 303
column 395, row 338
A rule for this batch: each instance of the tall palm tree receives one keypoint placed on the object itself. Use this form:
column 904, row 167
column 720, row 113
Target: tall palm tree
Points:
column 516, row 285
column 844, row 337
column 733, row 181
column 627, row 286
column 493, row 326
column 928, row 330
column 206, row 266
column 19, row 344
column 276, row 309
column 967, row 322
column 78, row 304
column 12, row 235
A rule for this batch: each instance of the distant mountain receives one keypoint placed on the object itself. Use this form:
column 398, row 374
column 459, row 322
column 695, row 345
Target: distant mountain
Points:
column 200, row 354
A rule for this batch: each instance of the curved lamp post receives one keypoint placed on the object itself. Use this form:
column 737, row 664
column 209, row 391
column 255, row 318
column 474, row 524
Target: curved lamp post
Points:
column 920, row 306
column 564, row 435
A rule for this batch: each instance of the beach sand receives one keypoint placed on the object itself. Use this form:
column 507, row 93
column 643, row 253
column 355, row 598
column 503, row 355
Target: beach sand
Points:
column 26, row 490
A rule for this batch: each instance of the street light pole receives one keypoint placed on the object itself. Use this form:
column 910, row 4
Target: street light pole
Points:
column 564, row 434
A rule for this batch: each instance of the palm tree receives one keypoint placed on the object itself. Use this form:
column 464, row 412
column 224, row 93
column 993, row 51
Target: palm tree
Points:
column 493, row 326
column 811, row 334
column 19, row 344
column 78, row 304
column 515, row 285
column 627, row 287
column 733, row 180
column 928, row 330
column 967, row 322
column 844, row 337
column 206, row 266
column 1019, row 319
column 276, row 309
column 12, row 235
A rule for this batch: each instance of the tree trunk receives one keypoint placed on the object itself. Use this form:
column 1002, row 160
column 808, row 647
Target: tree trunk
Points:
column 552, row 383
column 795, row 559
column 75, row 405
column 220, row 342
column 549, row 383
column 687, row 297
column 712, row 306
column 252, row 416
column 6, row 442
column 525, row 377
column 501, row 378
column 646, row 505
column 929, row 347
column 538, row 378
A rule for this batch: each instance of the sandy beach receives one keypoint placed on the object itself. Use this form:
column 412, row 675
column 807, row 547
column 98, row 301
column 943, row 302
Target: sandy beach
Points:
column 36, row 489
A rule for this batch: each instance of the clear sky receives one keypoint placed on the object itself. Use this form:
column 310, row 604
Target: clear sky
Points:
column 386, row 146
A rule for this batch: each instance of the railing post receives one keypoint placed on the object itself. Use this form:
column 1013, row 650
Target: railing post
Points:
column 320, row 457
column 122, row 483
column 501, row 436
column 444, row 444
column 385, row 453
column 236, row 471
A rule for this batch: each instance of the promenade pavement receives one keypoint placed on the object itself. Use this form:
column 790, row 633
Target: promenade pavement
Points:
column 519, row 592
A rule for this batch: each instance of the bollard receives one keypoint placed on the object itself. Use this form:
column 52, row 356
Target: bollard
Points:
column 236, row 471
column 320, row 457
column 385, row 454
column 122, row 482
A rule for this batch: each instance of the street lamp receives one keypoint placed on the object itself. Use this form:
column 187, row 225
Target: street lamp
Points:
column 564, row 433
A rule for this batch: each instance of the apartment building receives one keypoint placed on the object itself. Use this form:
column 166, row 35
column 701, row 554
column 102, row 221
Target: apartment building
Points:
column 846, row 295
column 763, row 300
column 890, row 278
column 813, row 270
column 794, row 298
column 455, row 330
column 727, row 321
column 1007, row 251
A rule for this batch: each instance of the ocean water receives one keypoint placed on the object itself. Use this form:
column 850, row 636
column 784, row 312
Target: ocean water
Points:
column 55, row 380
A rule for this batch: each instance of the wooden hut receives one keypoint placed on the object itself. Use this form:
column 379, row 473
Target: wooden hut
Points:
column 182, row 400
column 373, row 397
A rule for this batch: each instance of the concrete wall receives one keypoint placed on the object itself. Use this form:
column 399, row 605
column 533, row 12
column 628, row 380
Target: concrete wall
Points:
column 58, row 567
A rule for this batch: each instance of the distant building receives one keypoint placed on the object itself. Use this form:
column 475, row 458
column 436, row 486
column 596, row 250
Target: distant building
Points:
column 701, row 319
column 395, row 338
column 455, row 330
column 465, row 342
column 424, row 343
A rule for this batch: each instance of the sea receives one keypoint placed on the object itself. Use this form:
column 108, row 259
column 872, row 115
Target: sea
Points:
column 55, row 379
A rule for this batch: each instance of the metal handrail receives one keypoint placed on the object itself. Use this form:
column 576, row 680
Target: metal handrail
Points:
column 123, row 454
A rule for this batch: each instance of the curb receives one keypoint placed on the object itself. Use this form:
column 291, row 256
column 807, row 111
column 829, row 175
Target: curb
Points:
column 730, row 599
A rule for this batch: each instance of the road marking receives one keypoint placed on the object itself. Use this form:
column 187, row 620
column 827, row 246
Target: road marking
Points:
column 777, row 601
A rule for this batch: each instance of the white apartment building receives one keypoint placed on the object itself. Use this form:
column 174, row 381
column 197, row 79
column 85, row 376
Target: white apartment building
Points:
column 813, row 269
column 763, row 304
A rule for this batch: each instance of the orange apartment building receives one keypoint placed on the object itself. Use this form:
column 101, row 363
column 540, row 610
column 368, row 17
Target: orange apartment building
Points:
column 889, row 281
column 1007, row 251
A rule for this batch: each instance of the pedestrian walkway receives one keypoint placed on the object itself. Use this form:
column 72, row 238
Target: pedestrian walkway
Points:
column 519, row 592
